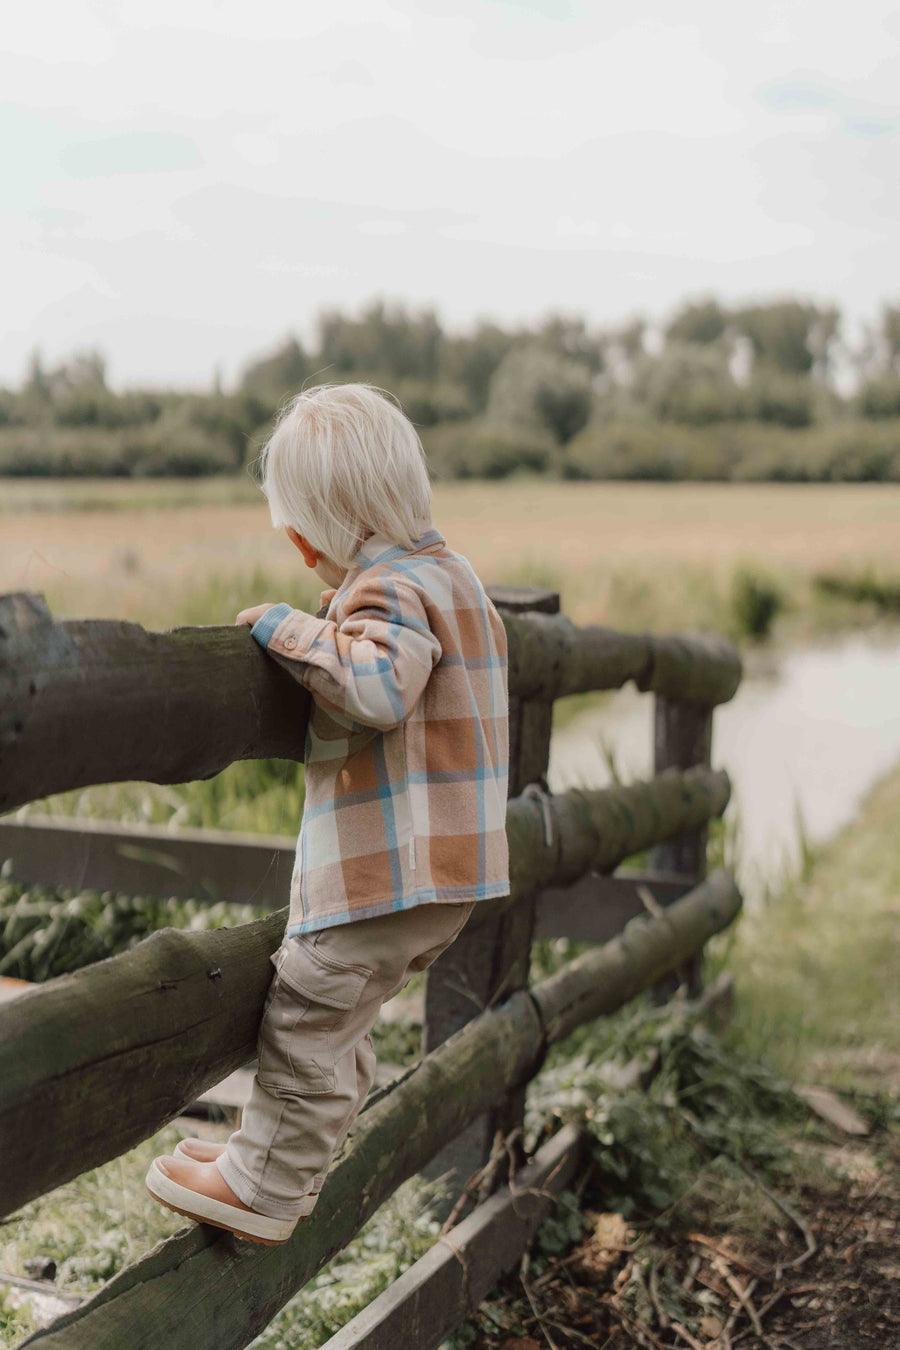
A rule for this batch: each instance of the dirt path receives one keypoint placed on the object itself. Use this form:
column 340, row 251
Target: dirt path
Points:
column 836, row 1289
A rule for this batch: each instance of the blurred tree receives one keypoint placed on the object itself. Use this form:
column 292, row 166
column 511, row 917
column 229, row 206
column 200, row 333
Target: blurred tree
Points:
column 10, row 411
column 536, row 387
column 37, row 384
column 87, row 406
column 472, row 360
column 689, row 381
column 428, row 402
column 789, row 335
column 631, row 338
column 83, row 370
column 880, row 397
column 569, row 335
column 890, row 327
column 877, row 354
column 385, row 340
column 787, row 400
column 280, row 373
column 702, row 321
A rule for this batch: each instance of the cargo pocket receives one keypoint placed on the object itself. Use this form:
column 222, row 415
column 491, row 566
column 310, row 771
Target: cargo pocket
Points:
column 309, row 996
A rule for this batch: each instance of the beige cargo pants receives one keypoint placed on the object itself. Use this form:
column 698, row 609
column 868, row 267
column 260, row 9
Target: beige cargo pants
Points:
column 316, row 1061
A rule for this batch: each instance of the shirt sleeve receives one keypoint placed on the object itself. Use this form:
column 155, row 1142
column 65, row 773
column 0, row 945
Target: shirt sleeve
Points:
column 373, row 665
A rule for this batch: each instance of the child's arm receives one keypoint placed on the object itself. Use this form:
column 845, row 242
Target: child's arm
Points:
column 373, row 666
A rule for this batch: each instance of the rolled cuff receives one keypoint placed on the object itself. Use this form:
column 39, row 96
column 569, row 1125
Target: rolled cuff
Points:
column 264, row 628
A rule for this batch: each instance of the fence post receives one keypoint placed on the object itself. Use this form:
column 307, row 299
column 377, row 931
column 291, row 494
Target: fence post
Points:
column 482, row 968
column 682, row 737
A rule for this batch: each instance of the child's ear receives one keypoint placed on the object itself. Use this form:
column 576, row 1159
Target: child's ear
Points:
column 310, row 556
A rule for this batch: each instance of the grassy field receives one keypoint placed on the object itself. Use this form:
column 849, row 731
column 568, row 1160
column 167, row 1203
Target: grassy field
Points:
column 632, row 555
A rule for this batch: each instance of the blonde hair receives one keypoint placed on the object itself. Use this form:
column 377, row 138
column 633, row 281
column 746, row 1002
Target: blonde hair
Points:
column 342, row 463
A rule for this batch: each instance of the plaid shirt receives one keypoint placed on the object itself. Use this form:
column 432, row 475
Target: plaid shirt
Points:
column 407, row 751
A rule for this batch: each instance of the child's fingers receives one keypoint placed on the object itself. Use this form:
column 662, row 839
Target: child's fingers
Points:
column 250, row 616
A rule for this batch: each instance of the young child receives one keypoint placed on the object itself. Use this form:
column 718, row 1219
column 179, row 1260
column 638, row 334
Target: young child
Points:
column 403, row 827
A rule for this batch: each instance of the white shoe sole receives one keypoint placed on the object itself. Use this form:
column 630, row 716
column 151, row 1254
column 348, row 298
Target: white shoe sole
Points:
column 243, row 1223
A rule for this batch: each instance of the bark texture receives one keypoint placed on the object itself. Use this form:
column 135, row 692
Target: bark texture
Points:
column 549, row 657
column 100, row 701
column 180, row 705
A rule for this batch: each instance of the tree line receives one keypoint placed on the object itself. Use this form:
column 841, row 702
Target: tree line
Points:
column 717, row 392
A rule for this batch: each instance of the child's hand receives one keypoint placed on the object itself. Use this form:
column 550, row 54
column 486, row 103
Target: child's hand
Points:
column 326, row 598
column 250, row 616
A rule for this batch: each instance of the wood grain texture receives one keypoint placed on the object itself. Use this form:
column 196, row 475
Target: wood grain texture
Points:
column 203, row 1290
column 99, row 701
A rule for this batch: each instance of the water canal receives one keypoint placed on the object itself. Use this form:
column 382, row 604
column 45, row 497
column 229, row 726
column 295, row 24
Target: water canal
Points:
column 808, row 732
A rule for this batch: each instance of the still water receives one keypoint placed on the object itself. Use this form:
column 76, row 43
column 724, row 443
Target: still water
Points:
column 807, row 733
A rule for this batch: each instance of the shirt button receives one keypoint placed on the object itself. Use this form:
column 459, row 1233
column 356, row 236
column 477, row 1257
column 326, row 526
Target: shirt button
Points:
column 290, row 643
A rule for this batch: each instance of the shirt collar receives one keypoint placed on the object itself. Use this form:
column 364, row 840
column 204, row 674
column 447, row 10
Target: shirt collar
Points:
column 379, row 549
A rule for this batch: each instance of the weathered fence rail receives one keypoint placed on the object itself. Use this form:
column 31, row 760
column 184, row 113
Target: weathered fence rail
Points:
column 93, row 1062
column 101, row 701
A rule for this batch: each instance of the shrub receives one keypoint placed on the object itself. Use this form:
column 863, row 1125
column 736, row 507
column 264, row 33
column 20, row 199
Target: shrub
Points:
column 739, row 451
column 91, row 406
column 152, row 450
column 863, row 452
column 536, row 389
column 689, row 382
column 881, row 397
column 784, row 399
column 651, row 451
column 475, row 450
column 864, row 586
column 428, row 402
column 756, row 601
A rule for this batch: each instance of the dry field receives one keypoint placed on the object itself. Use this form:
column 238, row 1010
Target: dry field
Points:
column 631, row 554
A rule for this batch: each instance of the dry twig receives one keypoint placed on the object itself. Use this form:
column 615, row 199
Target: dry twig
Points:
column 686, row 1336
column 523, row 1269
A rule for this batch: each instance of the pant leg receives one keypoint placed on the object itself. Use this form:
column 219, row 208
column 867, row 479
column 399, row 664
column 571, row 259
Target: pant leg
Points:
column 365, row 1076
column 315, row 1065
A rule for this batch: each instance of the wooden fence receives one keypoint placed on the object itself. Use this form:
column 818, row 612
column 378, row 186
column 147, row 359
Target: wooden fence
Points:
column 92, row 1063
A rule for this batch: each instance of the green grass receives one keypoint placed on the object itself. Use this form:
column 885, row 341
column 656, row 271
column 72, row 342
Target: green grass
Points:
column 816, row 971
column 263, row 796
column 105, row 1219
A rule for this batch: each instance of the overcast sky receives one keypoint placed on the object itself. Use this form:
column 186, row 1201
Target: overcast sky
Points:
column 184, row 181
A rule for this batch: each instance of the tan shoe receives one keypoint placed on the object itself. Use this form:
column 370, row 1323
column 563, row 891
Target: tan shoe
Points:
column 201, row 1150
column 245, row 1223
